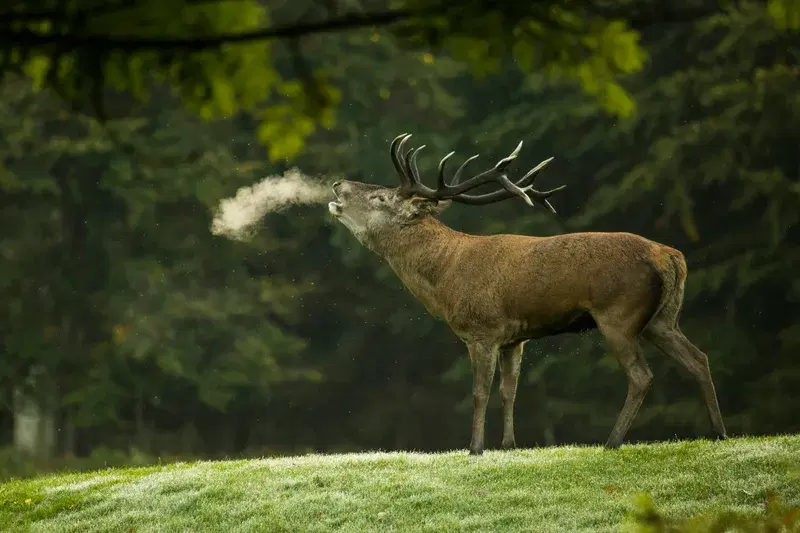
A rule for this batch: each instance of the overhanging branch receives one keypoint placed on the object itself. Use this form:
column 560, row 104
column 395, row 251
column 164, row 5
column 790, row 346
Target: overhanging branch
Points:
column 346, row 22
column 637, row 19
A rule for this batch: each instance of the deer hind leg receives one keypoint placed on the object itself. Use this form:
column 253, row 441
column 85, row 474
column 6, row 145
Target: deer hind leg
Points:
column 484, row 362
column 627, row 351
column 667, row 337
column 510, row 362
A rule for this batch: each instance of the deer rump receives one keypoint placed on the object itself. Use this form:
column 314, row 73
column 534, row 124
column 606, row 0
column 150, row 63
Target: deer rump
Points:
column 546, row 286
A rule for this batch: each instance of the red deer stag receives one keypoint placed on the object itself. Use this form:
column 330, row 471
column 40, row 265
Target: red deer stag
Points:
column 497, row 292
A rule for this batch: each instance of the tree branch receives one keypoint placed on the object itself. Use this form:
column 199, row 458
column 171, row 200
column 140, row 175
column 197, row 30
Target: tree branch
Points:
column 102, row 8
column 346, row 22
column 26, row 38
column 63, row 15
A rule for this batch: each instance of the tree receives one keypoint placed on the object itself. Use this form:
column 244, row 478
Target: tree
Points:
column 221, row 57
column 117, row 293
column 157, row 332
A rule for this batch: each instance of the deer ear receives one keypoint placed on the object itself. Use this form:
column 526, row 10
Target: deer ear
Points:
column 441, row 205
column 425, row 206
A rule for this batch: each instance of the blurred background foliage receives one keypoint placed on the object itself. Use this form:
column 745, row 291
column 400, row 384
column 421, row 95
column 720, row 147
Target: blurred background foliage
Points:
column 128, row 332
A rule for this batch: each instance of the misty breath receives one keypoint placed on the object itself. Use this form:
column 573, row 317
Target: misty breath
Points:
column 236, row 217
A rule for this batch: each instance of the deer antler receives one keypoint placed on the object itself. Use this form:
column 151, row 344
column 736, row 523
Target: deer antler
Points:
column 410, row 182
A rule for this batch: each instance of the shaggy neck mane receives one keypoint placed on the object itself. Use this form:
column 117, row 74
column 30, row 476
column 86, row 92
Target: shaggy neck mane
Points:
column 421, row 254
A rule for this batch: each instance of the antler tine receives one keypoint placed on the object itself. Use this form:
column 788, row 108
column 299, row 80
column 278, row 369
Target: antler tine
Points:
column 404, row 172
column 411, row 163
column 440, row 182
column 541, row 196
column 503, row 163
column 405, row 162
column 393, row 147
column 403, row 142
column 483, row 177
column 457, row 176
column 523, row 188
column 532, row 173
column 393, row 150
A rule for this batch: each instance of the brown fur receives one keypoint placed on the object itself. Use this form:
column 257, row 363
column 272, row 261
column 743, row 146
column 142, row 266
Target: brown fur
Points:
column 497, row 292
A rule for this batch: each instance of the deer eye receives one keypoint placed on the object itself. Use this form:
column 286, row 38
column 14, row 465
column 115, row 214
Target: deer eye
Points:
column 379, row 198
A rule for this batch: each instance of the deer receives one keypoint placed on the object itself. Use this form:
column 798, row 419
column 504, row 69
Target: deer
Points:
column 497, row 292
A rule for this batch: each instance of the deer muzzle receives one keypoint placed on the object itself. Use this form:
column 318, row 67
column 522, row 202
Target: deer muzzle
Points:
column 335, row 207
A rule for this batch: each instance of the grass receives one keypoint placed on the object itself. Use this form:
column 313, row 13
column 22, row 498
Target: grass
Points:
column 561, row 489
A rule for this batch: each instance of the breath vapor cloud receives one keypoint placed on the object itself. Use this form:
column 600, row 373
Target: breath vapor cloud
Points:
column 236, row 217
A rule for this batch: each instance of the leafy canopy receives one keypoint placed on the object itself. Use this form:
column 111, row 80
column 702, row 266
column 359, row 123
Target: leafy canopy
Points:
column 222, row 57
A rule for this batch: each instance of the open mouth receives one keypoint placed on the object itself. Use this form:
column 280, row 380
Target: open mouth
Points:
column 335, row 208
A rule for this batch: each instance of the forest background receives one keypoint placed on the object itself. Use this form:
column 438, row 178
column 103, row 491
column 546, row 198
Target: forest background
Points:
column 129, row 333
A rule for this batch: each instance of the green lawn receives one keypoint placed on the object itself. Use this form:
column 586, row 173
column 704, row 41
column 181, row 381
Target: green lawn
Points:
column 554, row 489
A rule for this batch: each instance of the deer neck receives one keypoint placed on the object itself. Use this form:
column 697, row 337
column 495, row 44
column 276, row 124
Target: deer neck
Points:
column 421, row 254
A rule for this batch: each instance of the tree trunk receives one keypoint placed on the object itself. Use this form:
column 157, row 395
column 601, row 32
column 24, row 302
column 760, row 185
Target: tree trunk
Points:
column 69, row 433
column 402, row 400
column 548, row 431
column 34, row 425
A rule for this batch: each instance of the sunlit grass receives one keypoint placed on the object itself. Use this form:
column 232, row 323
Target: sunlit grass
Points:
column 556, row 489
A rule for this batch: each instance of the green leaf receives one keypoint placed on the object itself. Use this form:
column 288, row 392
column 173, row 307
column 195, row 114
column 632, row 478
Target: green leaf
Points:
column 523, row 54
column 37, row 68
column 785, row 14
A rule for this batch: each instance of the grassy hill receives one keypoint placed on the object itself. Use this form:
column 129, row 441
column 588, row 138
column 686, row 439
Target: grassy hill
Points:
column 555, row 489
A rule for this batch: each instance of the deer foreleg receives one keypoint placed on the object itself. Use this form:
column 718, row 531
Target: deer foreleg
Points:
column 484, row 360
column 510, row 361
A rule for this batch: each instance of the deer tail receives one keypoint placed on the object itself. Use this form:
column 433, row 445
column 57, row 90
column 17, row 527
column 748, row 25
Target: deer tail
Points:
column 672, row 270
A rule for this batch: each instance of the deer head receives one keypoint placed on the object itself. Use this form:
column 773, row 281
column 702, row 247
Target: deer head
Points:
column 371, row 212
